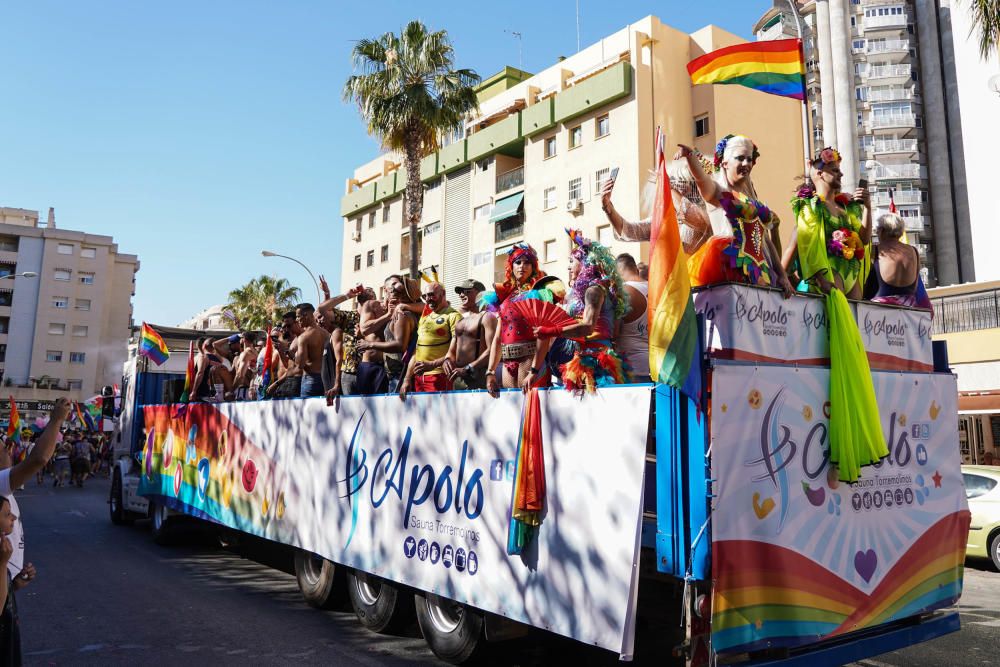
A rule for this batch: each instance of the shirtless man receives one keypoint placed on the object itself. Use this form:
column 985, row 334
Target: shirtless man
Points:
column 307, row 350
column 244, row 367
column 399, row 337
column 212, row 380
column 372, row 315
column 471, row 345
column 287, row 379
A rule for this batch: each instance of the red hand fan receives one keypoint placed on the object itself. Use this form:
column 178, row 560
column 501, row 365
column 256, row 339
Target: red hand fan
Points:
column 538, row 313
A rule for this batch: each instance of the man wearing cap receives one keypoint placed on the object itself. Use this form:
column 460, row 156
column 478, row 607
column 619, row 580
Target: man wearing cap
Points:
column 435, row 332
column 470, row 348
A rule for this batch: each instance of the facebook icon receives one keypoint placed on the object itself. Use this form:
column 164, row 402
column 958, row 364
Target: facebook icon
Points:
column 496, row 470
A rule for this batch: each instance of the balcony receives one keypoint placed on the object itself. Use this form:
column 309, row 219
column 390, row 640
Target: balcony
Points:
column 777, row 31
column 881, row 199
column 894, row 49
column 914, row 223
column 512, row 228
column 890, row 22
column 966, row 312
column 893, row 95
column 510, row 179
column 902, row 121
column 897, row 172
column 895, row 146
column 888, row 73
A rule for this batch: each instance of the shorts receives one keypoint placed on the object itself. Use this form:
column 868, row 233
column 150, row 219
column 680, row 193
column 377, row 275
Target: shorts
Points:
column 371, row 379
column 290, row 387
column 435, row 382
column 60, row 467
column 312, row 385
column 241, row 393
column 348, row 384
column 473, row 381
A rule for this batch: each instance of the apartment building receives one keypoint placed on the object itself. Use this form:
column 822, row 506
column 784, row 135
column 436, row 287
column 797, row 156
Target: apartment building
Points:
column 211, row 318
column 531, row 161
column 878, row 72
column 65, row 325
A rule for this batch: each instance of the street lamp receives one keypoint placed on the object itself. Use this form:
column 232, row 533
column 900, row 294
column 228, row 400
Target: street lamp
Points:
column 319, row 295
column 25, row 274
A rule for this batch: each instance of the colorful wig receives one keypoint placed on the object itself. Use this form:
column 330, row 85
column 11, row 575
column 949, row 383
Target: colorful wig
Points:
column 491, row 300
column 597, row 268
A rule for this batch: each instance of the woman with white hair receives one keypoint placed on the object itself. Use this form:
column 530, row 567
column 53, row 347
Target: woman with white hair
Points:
column 742, row 248
column 897, row 266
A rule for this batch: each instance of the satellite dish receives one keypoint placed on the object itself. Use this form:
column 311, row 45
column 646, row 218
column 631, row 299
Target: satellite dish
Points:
column 994, row 83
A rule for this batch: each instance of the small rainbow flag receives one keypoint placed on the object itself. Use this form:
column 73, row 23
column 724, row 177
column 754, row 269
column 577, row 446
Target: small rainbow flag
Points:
column 14, row 425
column 151, row 345
column 774, row 67
column 188, row 376
column 673, row 327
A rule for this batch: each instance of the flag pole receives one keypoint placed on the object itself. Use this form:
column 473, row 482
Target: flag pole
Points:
column 806, row 153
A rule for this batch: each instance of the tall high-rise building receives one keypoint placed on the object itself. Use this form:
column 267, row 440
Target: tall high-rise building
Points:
column 532, row 160
column 879, row 76
column 65, row 310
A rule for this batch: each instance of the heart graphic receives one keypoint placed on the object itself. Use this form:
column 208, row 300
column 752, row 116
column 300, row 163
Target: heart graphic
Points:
column 762, row 509
column 865, row 562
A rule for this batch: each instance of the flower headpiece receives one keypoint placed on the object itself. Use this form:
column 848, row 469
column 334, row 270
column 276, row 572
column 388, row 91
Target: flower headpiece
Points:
column 828, row 155
column 720, row 149
column 598, row 268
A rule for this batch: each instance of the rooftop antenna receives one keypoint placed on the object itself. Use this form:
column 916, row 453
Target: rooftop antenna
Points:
column 520, row 43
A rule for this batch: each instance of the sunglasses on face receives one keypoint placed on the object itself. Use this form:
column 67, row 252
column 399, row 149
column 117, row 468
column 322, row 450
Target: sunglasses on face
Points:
column 429, row 295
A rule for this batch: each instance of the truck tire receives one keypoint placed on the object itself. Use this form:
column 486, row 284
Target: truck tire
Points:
column 162, row 533
column 378, row 603
column 317, row 580
column 995, row 550
column 452, row 630
column 116, row 502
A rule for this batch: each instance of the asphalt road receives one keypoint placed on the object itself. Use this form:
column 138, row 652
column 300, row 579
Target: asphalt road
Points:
column 109, row 595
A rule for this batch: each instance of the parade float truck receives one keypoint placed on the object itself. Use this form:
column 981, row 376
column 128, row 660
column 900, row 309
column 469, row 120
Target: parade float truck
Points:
column 715, row 520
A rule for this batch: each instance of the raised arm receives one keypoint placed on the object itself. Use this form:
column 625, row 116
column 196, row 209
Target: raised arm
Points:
column 706, row 186
column 44, row 447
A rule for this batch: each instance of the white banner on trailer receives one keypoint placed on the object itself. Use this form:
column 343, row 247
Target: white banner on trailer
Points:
column 419, row 493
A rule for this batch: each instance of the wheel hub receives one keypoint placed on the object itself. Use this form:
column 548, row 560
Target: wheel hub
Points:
column 369, row 588
column 312, row 567
column 444, row 614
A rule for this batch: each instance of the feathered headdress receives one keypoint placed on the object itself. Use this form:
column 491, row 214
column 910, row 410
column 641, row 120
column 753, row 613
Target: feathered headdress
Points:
column 598, row 268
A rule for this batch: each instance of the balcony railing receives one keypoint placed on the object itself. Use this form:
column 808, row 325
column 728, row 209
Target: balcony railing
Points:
column 888, row 72
column 881, row 199
column 894, row 95
column 888, row 46
column 511, row 230
column 890, row 172
column 966, row 312
column 892, row 120
column 510, row 179
column 914, row 223
column 896, row 146
column 891, row 21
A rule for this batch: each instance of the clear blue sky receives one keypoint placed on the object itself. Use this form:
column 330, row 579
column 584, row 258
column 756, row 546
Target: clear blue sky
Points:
column 198, row 133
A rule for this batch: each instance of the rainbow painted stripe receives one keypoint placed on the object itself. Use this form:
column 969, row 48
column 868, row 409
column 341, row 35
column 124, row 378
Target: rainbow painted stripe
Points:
column 773, row 67
column 768, row 595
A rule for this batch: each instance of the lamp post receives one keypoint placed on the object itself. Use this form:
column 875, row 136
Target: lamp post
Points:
column 25, row 274
column 319, row 294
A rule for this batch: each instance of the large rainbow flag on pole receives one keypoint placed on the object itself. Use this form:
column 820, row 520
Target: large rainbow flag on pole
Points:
column 774, row 67
column 14, row 424
column 151, row 345
column 673, row 327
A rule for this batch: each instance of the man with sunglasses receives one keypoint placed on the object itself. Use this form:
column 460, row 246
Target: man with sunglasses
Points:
column 430, row 365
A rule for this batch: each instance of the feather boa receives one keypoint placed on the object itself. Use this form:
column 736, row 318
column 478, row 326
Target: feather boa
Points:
column 590, row 369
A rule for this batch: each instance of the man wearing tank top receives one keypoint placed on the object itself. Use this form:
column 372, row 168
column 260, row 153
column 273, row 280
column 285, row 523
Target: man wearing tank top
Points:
column 633, row 339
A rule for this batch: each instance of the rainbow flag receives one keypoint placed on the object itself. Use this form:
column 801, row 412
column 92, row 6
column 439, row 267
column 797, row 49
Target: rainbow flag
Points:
column 188, row 376
column 151, row 345
column 673, row 327
column 774, row 67
column 14, row 425
column 528, row 492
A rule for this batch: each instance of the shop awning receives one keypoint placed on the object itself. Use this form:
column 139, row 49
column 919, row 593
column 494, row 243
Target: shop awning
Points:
column 507, row 207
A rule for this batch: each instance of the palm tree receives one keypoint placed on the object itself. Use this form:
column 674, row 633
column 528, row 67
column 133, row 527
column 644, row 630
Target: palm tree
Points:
column 986, row 20
column 408, row 93
column 262, row 301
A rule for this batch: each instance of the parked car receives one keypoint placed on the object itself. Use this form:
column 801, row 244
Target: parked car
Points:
column 982, row 488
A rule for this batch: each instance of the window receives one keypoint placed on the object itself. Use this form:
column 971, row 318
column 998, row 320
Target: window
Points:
column 701, row 126
column 433, row 185
column 86, row 278
column 357, row 262
column 605, row 236
column 575, row 136
column 384, row 254
column 600, row 176
column 74, row 384
column 88, row 253
column 603, row 126
column 80, row 330
column 53, row 355
column 65, row 249
column 575, row 189
column 83, row 304
column 550, row 251
column 385, row 212
column 481, row 258
column 548, row 198
column 62, row 275
column 977, row 485
column 370, row 258
column 60, row 302
column 858, row 44
column 57, row 329
column 484, row 164
column 432, row 228
column 481, row 212
column 371, row 219
column 77, row 357
column 550, row 147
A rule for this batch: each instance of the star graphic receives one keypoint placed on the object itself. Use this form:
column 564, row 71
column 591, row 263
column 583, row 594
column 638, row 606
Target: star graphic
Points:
column 937, row 479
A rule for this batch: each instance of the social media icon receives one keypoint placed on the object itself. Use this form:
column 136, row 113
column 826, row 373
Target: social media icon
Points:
column 473, row 562
column 409, row 546
column 460, row 559
column 921, row 454
column 435, row 553
column 510, row 470
column 422, row 549
column 447, row 555
column 496, row 470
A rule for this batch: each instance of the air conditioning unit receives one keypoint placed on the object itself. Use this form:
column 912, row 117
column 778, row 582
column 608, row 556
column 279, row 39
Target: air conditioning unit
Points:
column 355, row 236
column 574, row 206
